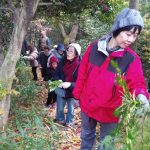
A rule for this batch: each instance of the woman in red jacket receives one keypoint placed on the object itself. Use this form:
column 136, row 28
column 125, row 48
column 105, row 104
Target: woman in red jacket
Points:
column 95, row 87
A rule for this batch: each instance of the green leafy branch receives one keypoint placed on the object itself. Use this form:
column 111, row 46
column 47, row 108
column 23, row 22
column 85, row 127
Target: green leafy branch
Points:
column 129, row 124
column 54, row 84
column 4, row 92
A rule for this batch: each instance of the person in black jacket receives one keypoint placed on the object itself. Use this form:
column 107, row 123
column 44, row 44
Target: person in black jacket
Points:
column 44, row 40
column 43, row 59
column 53, row 62
column 67, row 72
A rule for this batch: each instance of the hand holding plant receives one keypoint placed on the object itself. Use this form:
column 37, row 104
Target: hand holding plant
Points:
column 131, row 120
column 144, row 105
column 54, row 84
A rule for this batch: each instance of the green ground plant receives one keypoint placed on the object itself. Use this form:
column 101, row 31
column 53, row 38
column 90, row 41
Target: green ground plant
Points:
column 4, row 92
column 28, row 127
column 28, row 130
column 23, row 82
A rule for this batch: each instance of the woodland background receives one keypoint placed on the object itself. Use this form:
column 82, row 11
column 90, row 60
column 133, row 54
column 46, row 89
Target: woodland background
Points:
column 24, row 122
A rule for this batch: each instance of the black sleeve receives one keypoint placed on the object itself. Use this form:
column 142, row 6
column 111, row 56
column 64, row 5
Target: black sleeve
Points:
column 59, row 74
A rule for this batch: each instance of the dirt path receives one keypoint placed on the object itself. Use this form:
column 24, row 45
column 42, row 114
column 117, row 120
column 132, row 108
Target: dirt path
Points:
column 70, row 135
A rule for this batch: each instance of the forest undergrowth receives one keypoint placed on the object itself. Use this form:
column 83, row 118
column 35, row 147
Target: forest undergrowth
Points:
column 31, row 127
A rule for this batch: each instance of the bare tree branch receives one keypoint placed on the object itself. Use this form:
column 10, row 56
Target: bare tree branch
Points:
column 10, row 4
column 8, row 9
column 62, row 29
column 15, row 10
column 74, row 31
column 57, row 3
column 133, row 4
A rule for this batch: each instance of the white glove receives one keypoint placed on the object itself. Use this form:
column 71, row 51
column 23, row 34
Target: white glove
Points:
column 27, row 52
column 25, row 57
column 60, row 85
column 65, row 85
column 145, row 104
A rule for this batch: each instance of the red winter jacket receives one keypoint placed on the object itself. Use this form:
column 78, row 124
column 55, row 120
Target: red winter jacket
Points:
column 95, row 87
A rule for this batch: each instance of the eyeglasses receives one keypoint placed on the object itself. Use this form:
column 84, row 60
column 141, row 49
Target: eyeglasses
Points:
column 69, row 51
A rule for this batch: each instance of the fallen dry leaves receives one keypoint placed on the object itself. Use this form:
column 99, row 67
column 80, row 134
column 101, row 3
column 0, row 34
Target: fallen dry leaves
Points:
column 70, row 136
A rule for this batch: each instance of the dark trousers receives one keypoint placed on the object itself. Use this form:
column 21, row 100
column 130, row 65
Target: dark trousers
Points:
column 88, row 133
column 45, row 74
column 34, row 73
column 51, row 98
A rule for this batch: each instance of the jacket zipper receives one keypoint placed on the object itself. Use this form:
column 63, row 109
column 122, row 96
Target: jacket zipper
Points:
column 114, row 87
column 114, row 91
column 90, row 69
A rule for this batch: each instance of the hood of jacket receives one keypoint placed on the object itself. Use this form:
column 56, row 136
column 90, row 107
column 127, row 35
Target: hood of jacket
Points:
column 102, row 44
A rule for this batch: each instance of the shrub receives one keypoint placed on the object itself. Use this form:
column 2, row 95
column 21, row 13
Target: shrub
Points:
column 24, row 83
column 28, row 127
column 143, row 47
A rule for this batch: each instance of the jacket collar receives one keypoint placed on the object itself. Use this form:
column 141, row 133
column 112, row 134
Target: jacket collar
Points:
column 102, row 45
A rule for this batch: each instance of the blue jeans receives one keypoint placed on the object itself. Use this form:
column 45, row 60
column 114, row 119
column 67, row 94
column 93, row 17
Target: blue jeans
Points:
column 61, row 102
column 88, row 132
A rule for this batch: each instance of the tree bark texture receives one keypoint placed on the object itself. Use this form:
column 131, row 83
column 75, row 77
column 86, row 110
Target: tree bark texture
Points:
column 71, row 37
column 133, row 4
column 7, row 70
column 1, row 58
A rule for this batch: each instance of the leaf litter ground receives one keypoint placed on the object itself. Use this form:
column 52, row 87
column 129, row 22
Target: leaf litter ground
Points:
column 70, row 136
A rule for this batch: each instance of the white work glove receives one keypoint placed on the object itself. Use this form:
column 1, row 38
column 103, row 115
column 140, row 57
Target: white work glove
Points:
column 145, row 104
column 25, row 57
column 60, row 86
column 27, row 52
column 65, row 85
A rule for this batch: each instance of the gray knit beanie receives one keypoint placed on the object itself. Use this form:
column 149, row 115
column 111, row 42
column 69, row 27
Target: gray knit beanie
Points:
column 127, row 17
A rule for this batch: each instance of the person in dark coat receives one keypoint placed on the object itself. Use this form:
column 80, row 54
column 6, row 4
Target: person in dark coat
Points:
column 44, row 40
column 58, row 51
column 43, row 59
column 53, row 62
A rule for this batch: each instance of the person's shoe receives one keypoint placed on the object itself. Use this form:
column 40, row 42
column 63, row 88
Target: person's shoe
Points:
column 34, row 79
column 76, row 104
column 63, row 123
column 53, row 105
column 70, row 124
column 55, row 120
column 47, row 105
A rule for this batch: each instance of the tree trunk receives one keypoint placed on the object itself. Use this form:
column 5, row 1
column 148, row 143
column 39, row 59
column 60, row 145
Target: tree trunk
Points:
column 133, row 4
column 72, row 35
column 74, row 32
column 7, row 70
column 1, row 58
